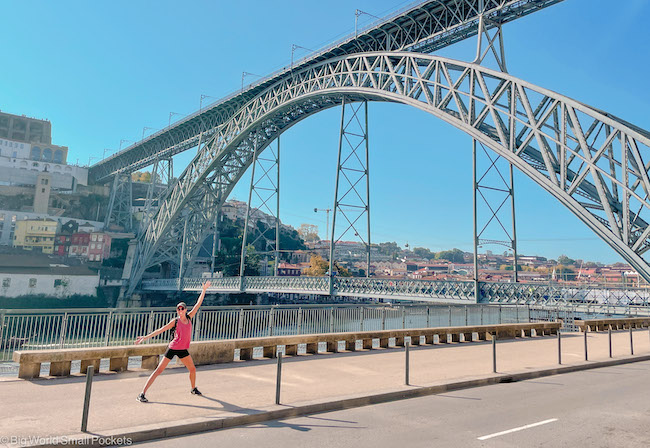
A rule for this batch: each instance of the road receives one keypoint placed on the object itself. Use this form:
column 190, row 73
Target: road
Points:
column 596, row 408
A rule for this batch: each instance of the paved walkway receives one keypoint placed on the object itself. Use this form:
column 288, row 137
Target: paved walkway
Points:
column 46, row 407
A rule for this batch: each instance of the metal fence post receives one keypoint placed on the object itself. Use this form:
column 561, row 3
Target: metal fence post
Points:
column 150, row 323
column 271, row 321
column 406, row 360
column 450, row 316
column 240, row 323
column 383, row 319
column 586, row 353
column 64, row 329
column 109, row 325
column 609, row 336
column 332, row 320
column 403, row 317
column 299, row 330
column 559, row 347
column 89, row 383
column 362, row 315
column 196, row 325
column 428, row 317
column 500, row 316
column 466, row 316
column 278, row 379
column 631, row 341
column 494, row 353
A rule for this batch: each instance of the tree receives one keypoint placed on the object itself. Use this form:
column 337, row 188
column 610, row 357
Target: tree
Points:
column 317, row 266
column 423, row 252
column 453, row 255
column 308, row 232
column 389, row 248
column 563, row 259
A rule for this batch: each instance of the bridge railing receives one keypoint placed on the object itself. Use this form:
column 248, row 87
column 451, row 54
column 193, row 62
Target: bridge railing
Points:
column 84, row 328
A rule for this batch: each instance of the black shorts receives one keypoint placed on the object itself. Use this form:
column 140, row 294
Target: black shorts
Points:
column 170, row 353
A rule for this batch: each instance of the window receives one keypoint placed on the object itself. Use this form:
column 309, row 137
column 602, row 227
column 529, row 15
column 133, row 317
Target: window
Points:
column 58, row 283
column 94, row 237
column 32, row 282
column 42, row 190
column 100, row 237
column 6, row 282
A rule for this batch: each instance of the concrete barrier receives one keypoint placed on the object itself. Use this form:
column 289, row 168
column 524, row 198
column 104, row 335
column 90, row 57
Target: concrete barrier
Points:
column 616, row 324
column 221, row 351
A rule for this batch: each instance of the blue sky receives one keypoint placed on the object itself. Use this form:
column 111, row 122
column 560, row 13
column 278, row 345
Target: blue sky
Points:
column 101, row 71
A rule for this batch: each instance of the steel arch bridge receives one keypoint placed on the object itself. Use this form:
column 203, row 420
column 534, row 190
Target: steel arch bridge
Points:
column 595, row 164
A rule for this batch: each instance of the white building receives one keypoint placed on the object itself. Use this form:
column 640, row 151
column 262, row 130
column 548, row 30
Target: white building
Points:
column 22, row 275
column 21, row 163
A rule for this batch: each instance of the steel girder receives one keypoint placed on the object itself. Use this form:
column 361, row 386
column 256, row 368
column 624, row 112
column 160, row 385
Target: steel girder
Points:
column 425, row 27
column 593, row 163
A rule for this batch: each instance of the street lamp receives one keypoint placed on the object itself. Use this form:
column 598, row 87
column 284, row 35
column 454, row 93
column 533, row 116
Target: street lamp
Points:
column 144, row 129
column 104, row 153
column 171, row 114
column 294, row 47
column 204, row 97
column 125, row 141
column 244, row 75
column 92, row 158
column 358, row 13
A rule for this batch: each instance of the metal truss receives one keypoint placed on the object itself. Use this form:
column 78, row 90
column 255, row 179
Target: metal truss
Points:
column 592, row 162
column 352, row 189
column 162, row 175
column 491, row 186
column 119, row 210
column 424, row 28
column 264, row 188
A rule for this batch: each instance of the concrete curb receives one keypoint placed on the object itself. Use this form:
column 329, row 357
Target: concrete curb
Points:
column 202, row 424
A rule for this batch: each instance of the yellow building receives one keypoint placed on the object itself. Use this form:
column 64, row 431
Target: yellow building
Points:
column 36, row 234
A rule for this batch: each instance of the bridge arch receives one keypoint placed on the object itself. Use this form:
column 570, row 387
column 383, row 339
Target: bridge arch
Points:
column 592, row 162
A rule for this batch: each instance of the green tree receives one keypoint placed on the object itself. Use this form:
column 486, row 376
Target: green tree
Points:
column 563, row 259
column 453, row 255
column 423, row 252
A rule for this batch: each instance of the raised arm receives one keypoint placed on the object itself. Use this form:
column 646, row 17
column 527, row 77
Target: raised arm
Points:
column 195, row 308
column 169, row 326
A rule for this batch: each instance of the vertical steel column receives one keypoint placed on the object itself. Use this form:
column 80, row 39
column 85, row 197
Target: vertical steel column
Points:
column 277, row 212
column 367, row 188
column 352, row 166
column 216, row 247
column 336, row 199
column 475, row 215
column 242, row 265
column 515, row 267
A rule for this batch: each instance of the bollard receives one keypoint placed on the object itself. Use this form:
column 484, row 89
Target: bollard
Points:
column 494, row 353
column 278, row 379
column 609, row 335
column 89, row 383
column 406, row 360
column 559, row 347
column 631, row 341
column 586, row 354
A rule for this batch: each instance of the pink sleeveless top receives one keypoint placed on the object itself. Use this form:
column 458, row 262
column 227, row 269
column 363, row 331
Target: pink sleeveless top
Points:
column 182, row 336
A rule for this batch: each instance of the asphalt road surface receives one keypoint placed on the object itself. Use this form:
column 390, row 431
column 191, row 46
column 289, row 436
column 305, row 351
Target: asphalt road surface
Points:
column 596, row 408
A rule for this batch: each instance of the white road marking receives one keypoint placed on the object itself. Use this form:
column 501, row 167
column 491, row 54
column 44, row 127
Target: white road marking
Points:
column 532, row 425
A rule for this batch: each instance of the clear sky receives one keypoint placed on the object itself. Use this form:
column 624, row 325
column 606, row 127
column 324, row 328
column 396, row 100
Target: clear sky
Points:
column 103, row 70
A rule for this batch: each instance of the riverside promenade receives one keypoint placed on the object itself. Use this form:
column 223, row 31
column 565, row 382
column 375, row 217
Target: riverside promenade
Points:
column 244, row 392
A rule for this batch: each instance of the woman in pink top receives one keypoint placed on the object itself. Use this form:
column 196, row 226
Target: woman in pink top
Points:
column 182, row 325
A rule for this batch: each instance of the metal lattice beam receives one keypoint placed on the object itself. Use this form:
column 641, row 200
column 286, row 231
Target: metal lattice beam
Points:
column 424, row 28
column 592, row 162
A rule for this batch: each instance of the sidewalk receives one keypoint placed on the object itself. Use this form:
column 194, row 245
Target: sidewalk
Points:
column 46, row 407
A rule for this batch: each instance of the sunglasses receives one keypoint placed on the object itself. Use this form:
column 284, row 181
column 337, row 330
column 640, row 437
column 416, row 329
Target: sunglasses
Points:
column 180, row 308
